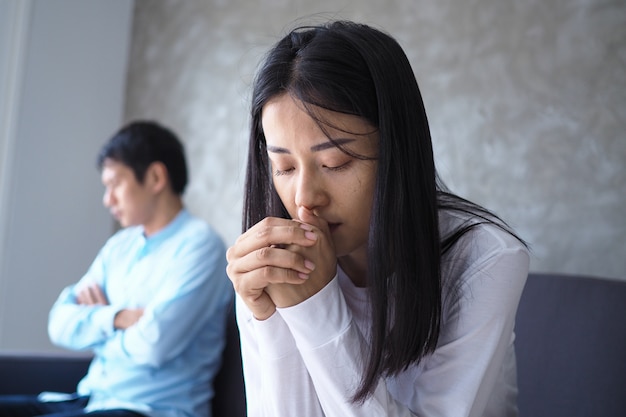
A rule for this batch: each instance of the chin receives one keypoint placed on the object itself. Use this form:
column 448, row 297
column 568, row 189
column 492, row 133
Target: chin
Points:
column 123, row 222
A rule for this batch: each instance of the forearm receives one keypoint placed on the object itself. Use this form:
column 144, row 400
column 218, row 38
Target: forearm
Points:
column 332, row 349
column 78, row 327
column 277, row 382
column 174, row 319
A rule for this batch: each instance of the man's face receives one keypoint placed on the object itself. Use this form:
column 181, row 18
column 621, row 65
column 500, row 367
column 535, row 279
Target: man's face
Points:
column 129, row 202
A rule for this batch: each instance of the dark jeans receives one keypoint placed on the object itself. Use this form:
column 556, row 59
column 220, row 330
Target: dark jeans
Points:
column 30, row 406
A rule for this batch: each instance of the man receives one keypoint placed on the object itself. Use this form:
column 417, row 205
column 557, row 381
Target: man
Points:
column 152, row 306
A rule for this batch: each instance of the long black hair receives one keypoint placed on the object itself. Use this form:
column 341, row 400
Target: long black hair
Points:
column 355, row 69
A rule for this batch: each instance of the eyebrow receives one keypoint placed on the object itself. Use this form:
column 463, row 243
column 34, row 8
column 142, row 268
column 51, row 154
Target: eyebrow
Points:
column 315, row 148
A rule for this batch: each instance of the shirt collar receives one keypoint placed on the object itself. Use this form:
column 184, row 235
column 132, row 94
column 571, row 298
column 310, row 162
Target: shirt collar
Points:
column 163, row 234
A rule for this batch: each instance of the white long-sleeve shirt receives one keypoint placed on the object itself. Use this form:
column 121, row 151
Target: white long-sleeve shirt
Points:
column 307, row 360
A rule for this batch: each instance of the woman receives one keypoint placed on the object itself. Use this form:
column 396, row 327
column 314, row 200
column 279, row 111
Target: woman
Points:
column 364, row 287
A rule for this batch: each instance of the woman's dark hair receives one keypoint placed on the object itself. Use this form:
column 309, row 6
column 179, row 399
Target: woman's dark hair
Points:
column 139, row 144
column 355, row 69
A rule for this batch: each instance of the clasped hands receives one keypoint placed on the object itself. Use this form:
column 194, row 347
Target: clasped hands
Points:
column 280, row 262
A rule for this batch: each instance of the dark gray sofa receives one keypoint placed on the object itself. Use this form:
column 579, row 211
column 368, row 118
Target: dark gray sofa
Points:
column 570, row 345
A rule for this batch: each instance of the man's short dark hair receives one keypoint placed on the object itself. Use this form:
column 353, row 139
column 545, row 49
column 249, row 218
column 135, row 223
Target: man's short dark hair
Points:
column 140, row 143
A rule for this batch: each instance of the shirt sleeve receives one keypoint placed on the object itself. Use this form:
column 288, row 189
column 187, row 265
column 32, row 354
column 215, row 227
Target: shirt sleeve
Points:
column 81, row 327
column 277, row 381
column 195, row 297
column 332, row 350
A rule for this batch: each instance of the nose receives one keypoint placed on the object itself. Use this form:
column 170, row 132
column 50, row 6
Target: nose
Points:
column 311, row 190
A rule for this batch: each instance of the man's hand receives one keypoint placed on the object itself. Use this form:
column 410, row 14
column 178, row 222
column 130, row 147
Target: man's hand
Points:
column 127, row 317
column 92, row 295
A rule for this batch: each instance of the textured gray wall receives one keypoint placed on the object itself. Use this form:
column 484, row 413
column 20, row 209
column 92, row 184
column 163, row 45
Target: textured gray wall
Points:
column 526, row 99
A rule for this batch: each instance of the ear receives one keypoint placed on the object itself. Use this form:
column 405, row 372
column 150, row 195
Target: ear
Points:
column 157, row 177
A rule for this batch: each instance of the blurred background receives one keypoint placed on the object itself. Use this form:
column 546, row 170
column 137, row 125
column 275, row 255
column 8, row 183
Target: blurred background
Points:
column 526, row 101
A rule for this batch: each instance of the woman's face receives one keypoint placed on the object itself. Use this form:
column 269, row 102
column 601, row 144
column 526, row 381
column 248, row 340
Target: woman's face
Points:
column 310, row 171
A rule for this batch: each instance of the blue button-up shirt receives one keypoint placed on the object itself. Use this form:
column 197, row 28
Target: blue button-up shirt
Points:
column 163, row 365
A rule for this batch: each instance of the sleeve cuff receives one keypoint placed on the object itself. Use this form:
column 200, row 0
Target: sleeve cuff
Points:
column 319, row 319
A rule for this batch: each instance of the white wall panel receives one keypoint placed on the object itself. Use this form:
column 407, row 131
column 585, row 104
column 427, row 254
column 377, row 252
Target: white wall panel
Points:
column 69, row 101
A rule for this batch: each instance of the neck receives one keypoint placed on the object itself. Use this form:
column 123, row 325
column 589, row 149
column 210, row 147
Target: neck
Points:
column 355, row 268
column 163, row 214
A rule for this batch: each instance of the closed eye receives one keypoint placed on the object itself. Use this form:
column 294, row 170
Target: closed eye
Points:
column 338, row 167
column 279, row 172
